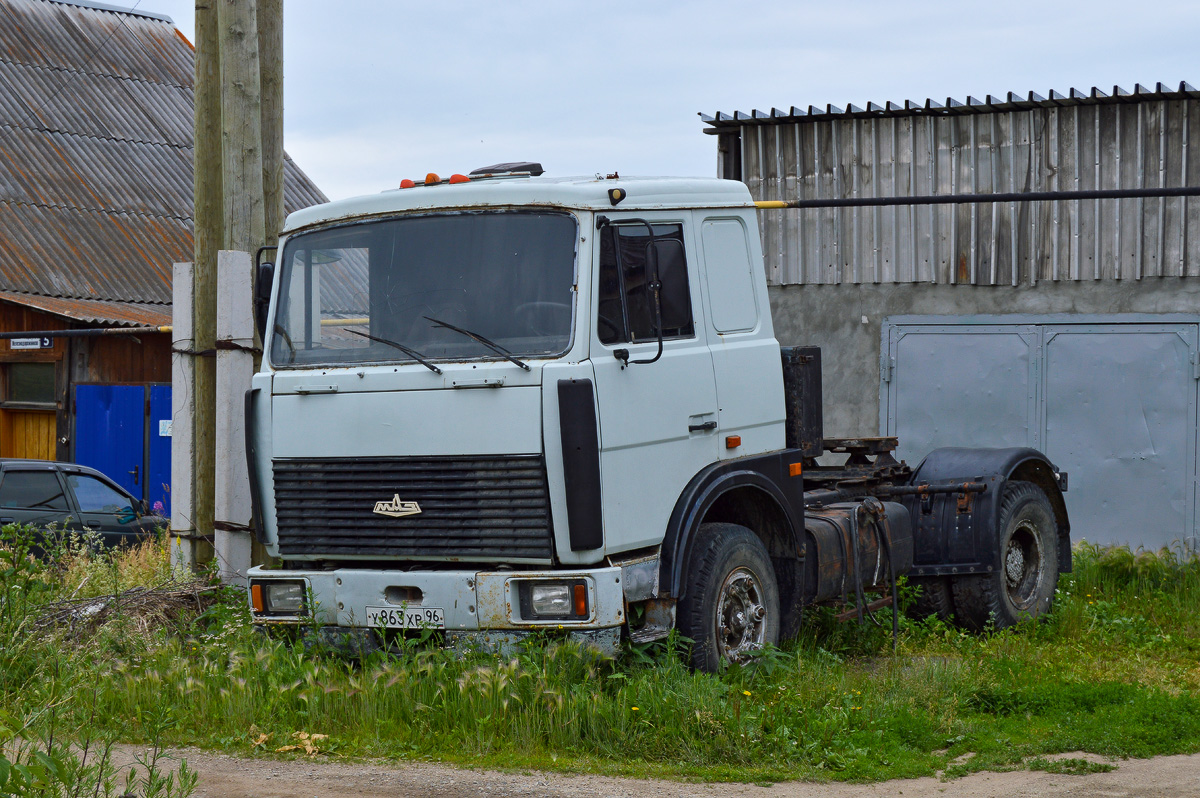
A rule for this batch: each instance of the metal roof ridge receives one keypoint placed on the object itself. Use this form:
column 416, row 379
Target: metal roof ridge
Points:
column 94, row 6
column 990, row 103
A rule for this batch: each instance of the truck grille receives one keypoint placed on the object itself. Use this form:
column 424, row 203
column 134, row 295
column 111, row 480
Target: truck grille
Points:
column 471, row 508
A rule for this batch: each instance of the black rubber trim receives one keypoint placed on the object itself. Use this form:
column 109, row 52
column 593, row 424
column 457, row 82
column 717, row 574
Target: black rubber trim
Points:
column 581, row 463
column 256, row 506
column 767, row 473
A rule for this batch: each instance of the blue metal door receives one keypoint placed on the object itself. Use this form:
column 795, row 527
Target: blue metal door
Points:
column 158, row 462
column 110, row 429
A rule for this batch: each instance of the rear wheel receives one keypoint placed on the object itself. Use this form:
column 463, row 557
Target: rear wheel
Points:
column 1024, row 585
column 731, row 605
column 934, row 597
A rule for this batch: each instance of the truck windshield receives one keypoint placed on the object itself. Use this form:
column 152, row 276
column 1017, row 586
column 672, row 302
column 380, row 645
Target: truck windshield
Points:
column 506, row 276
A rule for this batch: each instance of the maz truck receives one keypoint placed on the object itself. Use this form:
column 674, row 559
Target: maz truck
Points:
column 502, row 402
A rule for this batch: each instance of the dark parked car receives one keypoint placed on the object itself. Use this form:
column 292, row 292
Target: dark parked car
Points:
column 43, row 493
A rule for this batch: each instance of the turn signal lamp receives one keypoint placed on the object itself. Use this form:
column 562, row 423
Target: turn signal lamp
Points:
column 256, row 598
column 432, row 179
column 580, row 601
column 733, row 441
column 795, row 469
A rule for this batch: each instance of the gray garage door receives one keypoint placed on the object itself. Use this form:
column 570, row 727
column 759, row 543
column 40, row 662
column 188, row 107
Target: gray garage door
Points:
column 1112, row 400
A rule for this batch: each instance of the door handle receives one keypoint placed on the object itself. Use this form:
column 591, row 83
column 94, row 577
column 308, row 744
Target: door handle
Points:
column 704, row 427
column 135, row 474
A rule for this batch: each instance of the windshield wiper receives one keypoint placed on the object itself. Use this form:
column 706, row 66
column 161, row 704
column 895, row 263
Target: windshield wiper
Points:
column 492, row 345
column 410, row 352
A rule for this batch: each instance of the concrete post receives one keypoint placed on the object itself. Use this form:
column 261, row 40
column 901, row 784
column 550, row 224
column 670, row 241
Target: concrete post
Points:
column 183, row 407
column 235, row 367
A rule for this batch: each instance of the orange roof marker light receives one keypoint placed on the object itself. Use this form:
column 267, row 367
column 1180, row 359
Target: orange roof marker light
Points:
column 406, row 183
column 459, row 179
column 432, row 179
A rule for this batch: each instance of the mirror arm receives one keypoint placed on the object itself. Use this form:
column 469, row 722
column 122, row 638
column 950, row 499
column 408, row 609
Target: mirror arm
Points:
column 656, row 287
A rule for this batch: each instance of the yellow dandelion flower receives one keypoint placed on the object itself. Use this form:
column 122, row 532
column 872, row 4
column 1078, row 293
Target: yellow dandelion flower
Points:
column 746, row 692
column 635, row 709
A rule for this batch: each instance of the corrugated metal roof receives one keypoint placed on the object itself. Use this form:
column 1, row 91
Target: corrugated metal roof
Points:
column 92, row 311
column 96, row 157
column 1012, row 101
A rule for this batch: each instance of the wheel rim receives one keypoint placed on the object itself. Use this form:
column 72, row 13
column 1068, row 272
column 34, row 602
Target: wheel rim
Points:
column 741, row 615
column 1022, row 565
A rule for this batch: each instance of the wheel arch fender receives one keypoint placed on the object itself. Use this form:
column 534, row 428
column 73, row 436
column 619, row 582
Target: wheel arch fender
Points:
column 997, row 467
column 759, row 479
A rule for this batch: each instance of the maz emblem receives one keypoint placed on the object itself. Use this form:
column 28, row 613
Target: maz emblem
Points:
column 396, row 508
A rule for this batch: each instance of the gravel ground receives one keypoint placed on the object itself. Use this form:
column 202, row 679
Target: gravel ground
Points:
column 223, row 776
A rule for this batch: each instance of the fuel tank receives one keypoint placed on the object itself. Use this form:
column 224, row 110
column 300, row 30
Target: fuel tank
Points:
column 854, row 540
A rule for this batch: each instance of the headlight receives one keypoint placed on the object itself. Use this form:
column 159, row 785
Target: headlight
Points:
column 278, row 597
column 550, row 599
column 567, row 600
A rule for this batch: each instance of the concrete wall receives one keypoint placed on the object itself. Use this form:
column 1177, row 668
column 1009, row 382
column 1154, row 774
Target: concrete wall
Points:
column 846, row 322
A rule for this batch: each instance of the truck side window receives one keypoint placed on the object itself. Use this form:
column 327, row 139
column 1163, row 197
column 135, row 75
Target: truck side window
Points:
column 626, row 306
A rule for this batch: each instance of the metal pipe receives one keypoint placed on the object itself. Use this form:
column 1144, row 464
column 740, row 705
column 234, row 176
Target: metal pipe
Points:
column 84, row 333
column 976, row 199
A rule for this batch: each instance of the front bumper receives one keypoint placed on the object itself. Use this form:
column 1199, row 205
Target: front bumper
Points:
column 471, row 601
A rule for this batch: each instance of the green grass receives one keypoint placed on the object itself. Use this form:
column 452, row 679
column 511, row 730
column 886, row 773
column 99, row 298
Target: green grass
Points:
column 1112, row 671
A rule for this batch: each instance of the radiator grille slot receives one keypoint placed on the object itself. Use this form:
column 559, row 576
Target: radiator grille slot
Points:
column 472, row 508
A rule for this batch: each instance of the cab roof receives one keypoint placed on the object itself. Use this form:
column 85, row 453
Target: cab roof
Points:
column 577, row 193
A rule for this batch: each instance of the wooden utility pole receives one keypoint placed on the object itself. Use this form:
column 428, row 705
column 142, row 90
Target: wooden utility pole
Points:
column 239, row 206
column 209, row 237
column 241, row 126
column 270, row 55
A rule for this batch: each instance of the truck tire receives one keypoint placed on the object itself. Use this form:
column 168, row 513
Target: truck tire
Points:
column 731, row 605
column 1023, row 587
column 934, row 597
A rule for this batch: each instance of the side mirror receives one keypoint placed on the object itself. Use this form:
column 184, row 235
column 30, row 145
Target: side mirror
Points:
column 262, row 296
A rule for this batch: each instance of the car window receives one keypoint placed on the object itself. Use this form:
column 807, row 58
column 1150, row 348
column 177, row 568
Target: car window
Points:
column 95, row 496
column 39, row 490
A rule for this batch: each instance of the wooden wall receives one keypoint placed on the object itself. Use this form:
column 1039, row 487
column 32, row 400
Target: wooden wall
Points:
column 129, row 360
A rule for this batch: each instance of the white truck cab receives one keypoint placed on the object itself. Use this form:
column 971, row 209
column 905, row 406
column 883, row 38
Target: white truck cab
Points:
column 506, row 402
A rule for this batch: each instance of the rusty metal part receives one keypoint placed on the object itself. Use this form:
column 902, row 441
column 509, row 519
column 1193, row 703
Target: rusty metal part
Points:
column 658, row 620
column 877, row 604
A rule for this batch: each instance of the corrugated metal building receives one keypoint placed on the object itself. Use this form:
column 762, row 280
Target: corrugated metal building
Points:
column 1068, row 324
column 95, row 204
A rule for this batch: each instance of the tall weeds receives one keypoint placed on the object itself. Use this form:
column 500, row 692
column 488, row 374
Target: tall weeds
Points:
column 1106, row 672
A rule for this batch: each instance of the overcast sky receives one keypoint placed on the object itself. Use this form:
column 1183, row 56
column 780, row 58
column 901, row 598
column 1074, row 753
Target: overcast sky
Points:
column 379, row 91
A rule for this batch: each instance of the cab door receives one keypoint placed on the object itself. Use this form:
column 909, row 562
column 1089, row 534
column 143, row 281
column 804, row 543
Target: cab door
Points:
column 658, row 413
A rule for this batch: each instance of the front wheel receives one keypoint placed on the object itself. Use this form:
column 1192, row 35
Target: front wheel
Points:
column 1024, row 585
column 731, row 605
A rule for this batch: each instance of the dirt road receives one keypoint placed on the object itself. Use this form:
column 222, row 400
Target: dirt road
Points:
column 232, row 777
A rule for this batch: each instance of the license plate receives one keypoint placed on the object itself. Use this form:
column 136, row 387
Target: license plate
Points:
column 406, row 617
